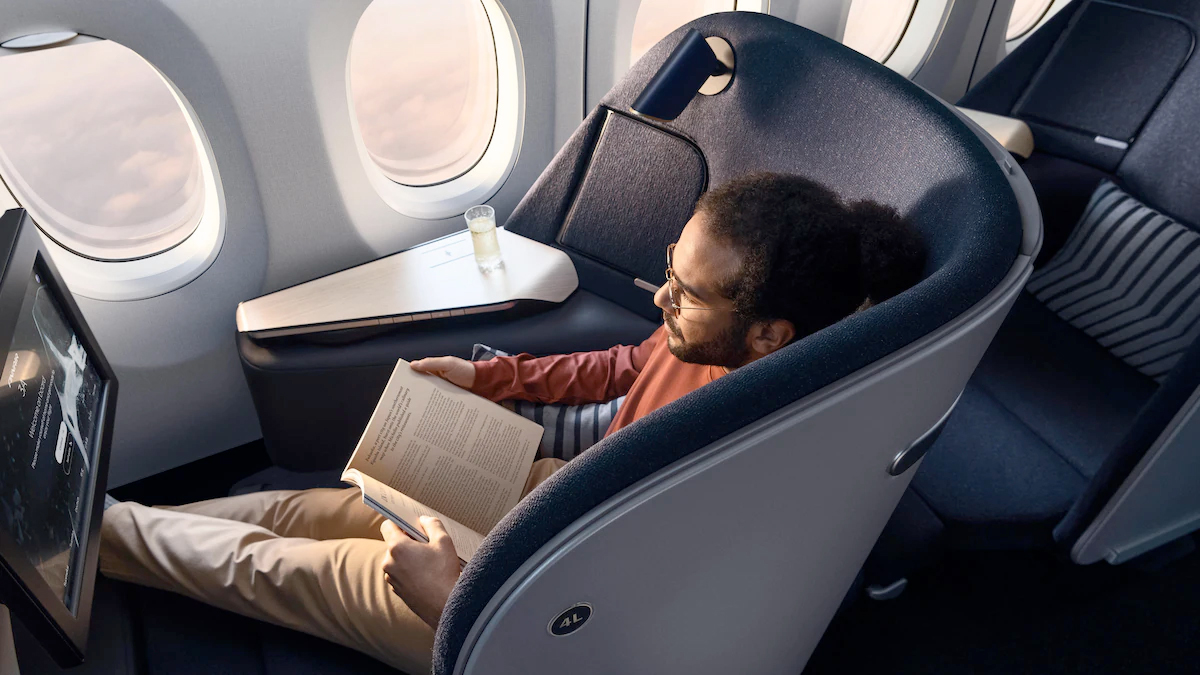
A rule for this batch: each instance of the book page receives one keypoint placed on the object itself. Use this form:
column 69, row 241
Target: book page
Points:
column 440, row 445
column 407, row 513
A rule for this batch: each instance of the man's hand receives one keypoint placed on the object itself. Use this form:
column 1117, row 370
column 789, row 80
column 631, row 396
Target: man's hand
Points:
column 421, row 574
column 450, row 368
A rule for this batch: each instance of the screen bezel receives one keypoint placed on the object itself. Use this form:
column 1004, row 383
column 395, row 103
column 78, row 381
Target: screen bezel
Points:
column 38, row 606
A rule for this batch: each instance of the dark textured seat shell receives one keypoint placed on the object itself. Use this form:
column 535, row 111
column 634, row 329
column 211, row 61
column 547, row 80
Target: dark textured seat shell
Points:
column 799, row 103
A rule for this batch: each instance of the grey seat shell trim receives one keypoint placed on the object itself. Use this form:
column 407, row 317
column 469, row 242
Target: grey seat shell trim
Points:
column 1157, row 502
column 827, row 410
column 909, row 456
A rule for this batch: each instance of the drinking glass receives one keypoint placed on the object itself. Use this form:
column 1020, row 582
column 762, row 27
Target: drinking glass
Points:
column 481, row 221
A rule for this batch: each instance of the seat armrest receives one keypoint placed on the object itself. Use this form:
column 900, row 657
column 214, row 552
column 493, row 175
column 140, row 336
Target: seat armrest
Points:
column 1012, row 133
column 435, row 280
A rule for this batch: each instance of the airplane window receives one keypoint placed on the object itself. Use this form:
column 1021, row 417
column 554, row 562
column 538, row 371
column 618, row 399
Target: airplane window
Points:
column 657, row 18
column 874, row 27
column 1026, row 14
column 423, row 86
column 94, row 143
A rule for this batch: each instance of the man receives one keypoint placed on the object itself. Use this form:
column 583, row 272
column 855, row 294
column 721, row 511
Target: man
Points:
column 766, row 259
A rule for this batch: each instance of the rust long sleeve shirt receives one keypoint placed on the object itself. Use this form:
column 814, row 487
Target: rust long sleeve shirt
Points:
column 648, row 375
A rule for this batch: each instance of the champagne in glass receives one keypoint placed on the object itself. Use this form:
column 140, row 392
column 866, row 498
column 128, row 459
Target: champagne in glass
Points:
column 481, row 221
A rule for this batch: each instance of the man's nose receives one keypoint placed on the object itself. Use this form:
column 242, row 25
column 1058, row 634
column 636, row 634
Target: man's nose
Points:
column 661, row 297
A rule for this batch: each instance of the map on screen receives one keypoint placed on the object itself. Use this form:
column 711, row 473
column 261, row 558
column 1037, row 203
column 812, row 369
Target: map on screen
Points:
column 49, row 398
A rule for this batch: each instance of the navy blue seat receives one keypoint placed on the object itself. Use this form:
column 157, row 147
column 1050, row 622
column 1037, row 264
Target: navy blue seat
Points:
column 1052, row 423
column 913, row 157
column 1031, row 430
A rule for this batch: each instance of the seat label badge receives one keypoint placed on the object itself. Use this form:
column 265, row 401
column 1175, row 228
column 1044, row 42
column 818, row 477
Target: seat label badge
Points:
column 570, row 620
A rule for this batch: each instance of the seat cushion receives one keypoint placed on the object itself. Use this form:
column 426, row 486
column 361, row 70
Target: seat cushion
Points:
column 1039, row 416
column 992, row 480
column 1070, row 391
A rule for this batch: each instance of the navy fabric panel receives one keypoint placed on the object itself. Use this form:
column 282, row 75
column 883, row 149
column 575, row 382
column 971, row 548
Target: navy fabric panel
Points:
column 1109, row 71
column 1163, row 167
column 638, row 192
column 999, row 90
column 1063, row 189
column 1072, row 393
column 615, row 286
column 804, row 104
column 1158, row 412
column 992, row 480
column 1042, row 414
column 1076, row 145
column 542, row 210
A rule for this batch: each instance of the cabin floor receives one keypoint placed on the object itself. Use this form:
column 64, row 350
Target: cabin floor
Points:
column 979, row 612
column 1024, row 612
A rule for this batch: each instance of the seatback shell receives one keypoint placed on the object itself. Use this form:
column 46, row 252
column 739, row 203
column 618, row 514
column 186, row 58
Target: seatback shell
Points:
column 735, row 559
column 1157, row 503
column 734, row 553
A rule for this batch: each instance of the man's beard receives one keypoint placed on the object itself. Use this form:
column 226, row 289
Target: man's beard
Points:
column 728, row 349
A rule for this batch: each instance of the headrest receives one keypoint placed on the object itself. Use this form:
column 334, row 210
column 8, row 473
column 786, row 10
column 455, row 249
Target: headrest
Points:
column 798, row 103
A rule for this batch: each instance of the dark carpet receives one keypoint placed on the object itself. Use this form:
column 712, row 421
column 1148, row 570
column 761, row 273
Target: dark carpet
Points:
column 1000, row 612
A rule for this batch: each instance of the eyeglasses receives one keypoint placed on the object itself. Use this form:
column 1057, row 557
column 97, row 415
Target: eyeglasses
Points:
column 676, row 296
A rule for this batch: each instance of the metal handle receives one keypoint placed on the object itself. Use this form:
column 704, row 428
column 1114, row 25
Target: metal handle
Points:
column 917, row 449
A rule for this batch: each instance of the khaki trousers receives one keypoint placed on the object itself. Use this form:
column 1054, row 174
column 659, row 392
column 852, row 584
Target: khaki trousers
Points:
column 309, row 560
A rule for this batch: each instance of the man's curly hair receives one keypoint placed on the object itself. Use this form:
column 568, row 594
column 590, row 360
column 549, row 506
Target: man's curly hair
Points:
column 807, row 256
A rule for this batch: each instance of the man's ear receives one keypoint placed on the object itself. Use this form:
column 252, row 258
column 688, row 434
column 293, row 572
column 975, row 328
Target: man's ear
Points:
column 769, row 336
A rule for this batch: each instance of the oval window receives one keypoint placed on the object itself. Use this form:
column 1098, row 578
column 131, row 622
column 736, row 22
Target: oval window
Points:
column 874, row 27
column 95, row 144
column 1026, row 15
column 423, row 87
column 657, row 18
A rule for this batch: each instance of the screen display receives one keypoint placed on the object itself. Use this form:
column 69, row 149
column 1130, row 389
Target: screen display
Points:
column 49, row 404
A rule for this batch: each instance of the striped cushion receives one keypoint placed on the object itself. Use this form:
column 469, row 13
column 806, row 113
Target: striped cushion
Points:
column 1130, row 278
column 570, row 429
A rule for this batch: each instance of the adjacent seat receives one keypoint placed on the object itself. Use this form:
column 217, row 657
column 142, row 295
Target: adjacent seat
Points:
column 719, row 533
column 1074, row 430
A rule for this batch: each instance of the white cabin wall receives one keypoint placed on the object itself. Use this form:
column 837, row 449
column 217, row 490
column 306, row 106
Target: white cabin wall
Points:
column 827, row 17
column 939, row 50
column 993, row 45
column 947, row 68
column 609, row 38
column 266, row 80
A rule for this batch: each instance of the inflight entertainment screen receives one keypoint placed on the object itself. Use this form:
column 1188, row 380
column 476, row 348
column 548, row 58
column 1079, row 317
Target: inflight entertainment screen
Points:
column 49, row 398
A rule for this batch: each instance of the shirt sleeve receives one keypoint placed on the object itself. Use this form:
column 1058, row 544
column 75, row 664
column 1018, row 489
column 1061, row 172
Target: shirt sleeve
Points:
column 582, row 377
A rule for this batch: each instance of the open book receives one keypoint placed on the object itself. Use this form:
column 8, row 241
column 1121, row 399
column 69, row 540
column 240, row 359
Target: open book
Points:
column 433, row 449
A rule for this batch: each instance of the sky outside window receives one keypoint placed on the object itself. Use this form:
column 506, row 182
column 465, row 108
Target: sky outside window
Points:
column 94, row 144
column 423, row 85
